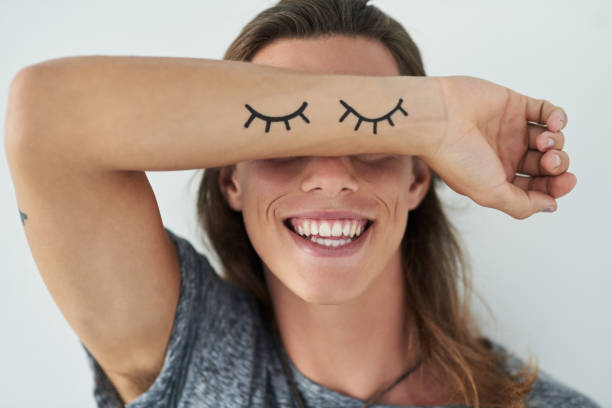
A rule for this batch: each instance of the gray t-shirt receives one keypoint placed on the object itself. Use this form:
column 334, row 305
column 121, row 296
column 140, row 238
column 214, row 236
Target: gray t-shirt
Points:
column 221, row 354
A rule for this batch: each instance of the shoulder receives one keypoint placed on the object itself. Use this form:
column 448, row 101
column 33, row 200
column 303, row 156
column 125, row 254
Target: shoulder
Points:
column 215, row 339
column 550, row 392
column 547, row 391
column 203, row 289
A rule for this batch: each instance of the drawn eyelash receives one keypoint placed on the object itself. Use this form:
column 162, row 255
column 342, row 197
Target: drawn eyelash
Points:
column 270, row 119
column 374, row 121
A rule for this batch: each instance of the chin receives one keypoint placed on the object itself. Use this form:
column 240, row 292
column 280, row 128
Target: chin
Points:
column 318, row 286
column 323, row 293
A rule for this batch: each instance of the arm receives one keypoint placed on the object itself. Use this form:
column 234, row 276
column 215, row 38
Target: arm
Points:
column 155, row 113
column 81, row 131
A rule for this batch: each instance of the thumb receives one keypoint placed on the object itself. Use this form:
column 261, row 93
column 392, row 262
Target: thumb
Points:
column 521, row 204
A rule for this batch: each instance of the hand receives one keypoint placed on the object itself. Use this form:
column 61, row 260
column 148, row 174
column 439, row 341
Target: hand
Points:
column 488, row 140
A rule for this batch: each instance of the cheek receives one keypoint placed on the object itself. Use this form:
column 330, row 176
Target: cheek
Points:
column 259, row 204
column 390, row 172
column 393, row 194
column 392, row 186
column 261, row 186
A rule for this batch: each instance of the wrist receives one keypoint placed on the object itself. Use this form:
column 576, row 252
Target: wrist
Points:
column 421, row 131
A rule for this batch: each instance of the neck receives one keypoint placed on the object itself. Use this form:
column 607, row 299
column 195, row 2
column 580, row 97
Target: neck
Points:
column 358, row 347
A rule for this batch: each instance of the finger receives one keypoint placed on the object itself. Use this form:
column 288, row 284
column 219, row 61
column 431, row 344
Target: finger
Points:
column 543, row 112
column 550, row 163
column 520, row 203
column 539, row 138
column 554, row 186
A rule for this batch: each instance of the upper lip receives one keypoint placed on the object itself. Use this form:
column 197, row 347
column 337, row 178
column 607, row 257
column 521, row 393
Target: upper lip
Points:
column 330, row 215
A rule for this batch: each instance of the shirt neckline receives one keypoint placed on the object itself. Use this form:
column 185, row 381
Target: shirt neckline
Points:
column 316, row 394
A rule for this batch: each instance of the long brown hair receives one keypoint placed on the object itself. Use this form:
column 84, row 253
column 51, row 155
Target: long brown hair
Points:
column 434, row 266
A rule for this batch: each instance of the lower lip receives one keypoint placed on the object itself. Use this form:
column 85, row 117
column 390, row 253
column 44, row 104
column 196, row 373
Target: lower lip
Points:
column 321, row 250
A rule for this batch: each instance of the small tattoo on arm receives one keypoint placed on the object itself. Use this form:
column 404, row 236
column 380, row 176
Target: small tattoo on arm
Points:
column 374, row 121
column 270, row 119
column 23, row 216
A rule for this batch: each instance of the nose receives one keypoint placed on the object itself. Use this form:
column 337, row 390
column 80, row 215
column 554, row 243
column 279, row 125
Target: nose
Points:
column 330, row 175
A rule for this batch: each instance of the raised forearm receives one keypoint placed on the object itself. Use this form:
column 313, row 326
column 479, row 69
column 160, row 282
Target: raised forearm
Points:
column 157, row 113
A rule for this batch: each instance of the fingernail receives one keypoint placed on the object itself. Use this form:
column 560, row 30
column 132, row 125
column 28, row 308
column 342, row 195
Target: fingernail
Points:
column 561, row 119
column 548, row 209
column 551, row 142
column 557, row 160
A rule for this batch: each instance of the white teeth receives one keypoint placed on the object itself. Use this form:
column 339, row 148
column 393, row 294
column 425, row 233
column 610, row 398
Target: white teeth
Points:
column 330, row 242
column 336, row 229
column 324, row 229
column 347, row 229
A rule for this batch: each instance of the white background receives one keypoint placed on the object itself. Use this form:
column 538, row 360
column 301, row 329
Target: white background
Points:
column 546, row 278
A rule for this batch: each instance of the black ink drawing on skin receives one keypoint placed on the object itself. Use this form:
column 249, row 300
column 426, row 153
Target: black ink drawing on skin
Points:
column 375, row 120
column 23, row 216
column 270, row 119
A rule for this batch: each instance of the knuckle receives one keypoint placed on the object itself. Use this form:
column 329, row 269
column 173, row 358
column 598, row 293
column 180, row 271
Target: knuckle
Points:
column 522, row 214
column 544, row 108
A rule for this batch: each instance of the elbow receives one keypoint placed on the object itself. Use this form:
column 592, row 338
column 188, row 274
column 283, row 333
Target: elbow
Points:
column 19, row 116
column 30, row 109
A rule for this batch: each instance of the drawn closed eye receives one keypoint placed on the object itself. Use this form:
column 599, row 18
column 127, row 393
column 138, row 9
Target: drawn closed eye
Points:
column 270, row 119
column 374, row 121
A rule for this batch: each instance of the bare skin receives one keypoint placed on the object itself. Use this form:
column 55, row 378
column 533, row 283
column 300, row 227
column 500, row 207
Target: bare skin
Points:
column 490, row 152
column 342, row 320
column 78, row 132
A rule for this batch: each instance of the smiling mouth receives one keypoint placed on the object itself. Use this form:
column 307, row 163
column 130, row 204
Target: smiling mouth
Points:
column 310, row 237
